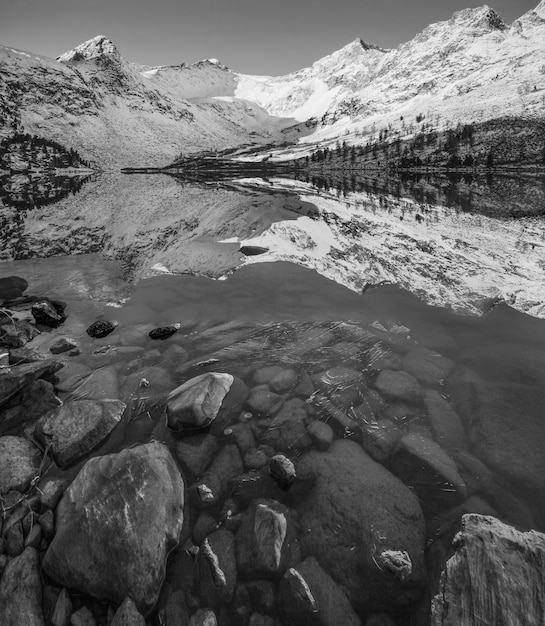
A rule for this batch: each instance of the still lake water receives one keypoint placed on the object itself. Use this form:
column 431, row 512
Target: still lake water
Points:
column 357, row 278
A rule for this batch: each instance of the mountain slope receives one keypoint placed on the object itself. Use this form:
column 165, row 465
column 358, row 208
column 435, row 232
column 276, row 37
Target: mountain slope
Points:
column 471, row 68
column 116, row 112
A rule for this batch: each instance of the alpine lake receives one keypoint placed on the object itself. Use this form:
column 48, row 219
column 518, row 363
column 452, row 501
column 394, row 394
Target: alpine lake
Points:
column 381, row 340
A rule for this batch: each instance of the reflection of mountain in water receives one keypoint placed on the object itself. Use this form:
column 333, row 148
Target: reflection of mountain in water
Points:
column 24, row 191
column 494, row 195
column 155, row 224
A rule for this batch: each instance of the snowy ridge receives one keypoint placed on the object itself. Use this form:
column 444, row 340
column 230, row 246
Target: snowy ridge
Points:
column 470, row 68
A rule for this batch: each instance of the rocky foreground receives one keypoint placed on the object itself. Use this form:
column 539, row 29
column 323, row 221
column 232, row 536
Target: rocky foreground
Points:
column 265, row 474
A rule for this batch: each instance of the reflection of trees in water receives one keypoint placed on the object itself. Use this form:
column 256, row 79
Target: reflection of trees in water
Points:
column 500, row 196
column 27, row 193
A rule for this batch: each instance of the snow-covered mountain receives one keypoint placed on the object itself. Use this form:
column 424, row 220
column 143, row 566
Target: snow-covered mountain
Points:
column 470, row 68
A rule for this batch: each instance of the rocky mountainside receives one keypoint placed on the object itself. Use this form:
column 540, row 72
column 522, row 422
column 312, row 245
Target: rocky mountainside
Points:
column 469, row 69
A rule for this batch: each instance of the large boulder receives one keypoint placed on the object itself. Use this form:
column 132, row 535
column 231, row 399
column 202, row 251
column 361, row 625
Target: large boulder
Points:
column 496, row 576
column 116, row 523
column 21, row 591
column 356, row 511
column 19, row 463
column 398, row 386
column 76, row 428
column 499, row 395
column 198, row 401
column 26, row 407
column 12, row 287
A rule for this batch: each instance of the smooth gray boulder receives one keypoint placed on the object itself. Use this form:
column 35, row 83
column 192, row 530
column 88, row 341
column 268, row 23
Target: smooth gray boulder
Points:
column 198, row 401
column 115, row 525
column 19, row 463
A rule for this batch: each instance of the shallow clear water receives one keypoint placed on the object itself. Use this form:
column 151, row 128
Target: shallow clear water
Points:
column 477, row 395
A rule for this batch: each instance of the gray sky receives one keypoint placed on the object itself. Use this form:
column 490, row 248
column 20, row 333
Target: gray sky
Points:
column 251, row 36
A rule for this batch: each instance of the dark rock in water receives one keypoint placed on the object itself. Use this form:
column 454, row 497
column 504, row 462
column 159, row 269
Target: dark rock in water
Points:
column 253, row 250
column 308, row 596
column 99, row 384
column 379, row 439
column 425, row 370
column 264, row 375
column 76, row 428
column 195, row 454
column 21, row 591
column 19, row 463
column 355, row 510
column 63, row 609
column 197, row 402
column 132, row 502
column 398, row 385
column 266, row 542
column 13, row 379
column 101, row 328
column 64, row 344
column 12, row 287
column 17, row 334
column 26, row 407
column 217, row 568
column 429, row 471
column 128, row 615
column 49, row 313
column 495, row 574
column 164, row 332
column 283, row 471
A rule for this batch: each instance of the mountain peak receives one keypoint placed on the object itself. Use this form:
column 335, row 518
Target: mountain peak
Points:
column 99, row 47
column 479, row 17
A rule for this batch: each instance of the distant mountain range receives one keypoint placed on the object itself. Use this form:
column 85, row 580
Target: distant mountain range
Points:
column 469, row 69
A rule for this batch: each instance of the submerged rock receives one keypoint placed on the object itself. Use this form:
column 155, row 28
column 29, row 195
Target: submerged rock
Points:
column 19, row 463
column 399, row 386
column 283, row 471
column 496, row 575
column 429, row 471
column 308, row 596
column 198, row 401
column 355, row 511
column 21, row 591
column 101, row 328
column 15, row 378
column 17, row 333
column 131, row 502
column 217, row 568
column 78, row 427
column 64, row 344
column 266, row 542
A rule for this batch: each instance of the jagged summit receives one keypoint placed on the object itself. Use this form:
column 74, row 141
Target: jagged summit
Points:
column 99, row 47
column 479, row 17
column 369, row 46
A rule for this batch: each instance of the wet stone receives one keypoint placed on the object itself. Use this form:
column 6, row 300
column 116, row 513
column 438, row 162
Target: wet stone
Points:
column 164, row 332
column 217, row 568
column 262, row 595
column 255, row 459
column 287, row 430
column 399, row 386
column 15, row 540
column 21, row 591
column 308, row 595
column 16, row 378
column 82, row 617
column 64, row 344
column 264, row 375
column 76, row 428
column 198, row 401
column 17, row 334
column 205, row 524
column 195, row 453
column 425, row 371
column 101, row 328
column 379, row 439
column 447, row 428
column 63, row 609
column 266, row 542
column 12, row 287
column 212, row 487
column 19, row 356
column 321, row 434
column 34, row 537
column 47, row 523
column 396, row 562
column 128, row 615
column 264, row 401
column 49, row 313
column 203, row 617
column 282, row 471
column 429, row 471
column 284, row 381
column 19, row 463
